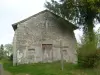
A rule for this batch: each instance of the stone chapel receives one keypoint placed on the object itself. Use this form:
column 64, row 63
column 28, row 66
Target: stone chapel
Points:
column 43, row 37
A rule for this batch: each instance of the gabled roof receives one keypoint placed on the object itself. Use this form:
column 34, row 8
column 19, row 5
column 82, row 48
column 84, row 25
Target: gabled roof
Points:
column 15, row 24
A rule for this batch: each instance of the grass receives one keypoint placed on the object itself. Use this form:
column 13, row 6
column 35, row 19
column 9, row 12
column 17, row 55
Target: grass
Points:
column 50, row 69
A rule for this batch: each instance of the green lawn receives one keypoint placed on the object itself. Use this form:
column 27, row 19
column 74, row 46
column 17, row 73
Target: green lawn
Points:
column 49, row 69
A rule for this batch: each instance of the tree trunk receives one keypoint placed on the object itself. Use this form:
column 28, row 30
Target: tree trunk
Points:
column 90, row 31
column 89, row 24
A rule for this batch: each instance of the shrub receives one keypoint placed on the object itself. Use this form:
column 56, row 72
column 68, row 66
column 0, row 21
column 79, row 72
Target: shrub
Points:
column 88, row 55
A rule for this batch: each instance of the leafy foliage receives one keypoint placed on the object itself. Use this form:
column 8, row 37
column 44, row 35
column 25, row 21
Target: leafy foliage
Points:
column 5, row 51
column 79, row 12
column 88, row 53
column 76, row 10
column 1, row 51
column 9, row 49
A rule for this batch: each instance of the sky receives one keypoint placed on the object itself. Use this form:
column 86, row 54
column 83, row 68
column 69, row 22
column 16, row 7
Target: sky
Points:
column 12, row 11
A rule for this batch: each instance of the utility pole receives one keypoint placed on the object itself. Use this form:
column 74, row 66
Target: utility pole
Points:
column 62, row 63
column 62, row 58
column 61, row 52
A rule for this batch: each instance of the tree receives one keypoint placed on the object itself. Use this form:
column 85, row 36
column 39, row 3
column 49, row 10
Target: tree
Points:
column 89, row 53
column 79, row 12
column 8, row 49
column 1, row 51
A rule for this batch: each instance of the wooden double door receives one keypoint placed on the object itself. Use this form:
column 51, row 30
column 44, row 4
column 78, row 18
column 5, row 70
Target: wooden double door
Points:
column 47, row 52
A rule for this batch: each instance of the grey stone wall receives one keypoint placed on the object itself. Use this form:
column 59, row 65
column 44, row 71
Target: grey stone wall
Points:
column 42, row 29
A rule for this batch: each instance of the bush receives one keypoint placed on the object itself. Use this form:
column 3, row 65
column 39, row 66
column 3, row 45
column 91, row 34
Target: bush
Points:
column 88, row 55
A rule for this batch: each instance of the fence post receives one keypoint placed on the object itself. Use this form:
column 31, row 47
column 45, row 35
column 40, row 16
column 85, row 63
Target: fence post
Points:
column 1, row 69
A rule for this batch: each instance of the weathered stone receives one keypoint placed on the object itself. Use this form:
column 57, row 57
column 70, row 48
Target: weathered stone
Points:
column 43, row 29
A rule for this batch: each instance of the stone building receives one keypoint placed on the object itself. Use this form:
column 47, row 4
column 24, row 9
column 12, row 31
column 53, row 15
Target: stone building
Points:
column 43, row 37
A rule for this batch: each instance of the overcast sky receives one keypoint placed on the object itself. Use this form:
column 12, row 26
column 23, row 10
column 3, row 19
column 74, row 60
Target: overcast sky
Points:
column 12, row 11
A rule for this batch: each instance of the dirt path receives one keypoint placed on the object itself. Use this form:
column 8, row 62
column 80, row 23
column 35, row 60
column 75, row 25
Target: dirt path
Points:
column 6, row 73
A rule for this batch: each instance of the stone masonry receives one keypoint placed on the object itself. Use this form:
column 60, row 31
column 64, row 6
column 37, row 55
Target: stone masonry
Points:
column 41, row 37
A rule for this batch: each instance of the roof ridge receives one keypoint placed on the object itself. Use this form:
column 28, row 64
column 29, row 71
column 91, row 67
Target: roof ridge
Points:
column 15, row 24
column 30, row 17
